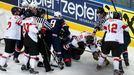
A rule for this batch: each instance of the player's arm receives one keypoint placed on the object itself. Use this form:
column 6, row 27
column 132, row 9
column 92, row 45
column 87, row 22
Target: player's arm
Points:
column 124, row 27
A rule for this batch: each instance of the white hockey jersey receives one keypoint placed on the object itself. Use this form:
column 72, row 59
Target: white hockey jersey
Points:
column 30, row 27
column 114, row 30
column 81, row 38
column 13, row 30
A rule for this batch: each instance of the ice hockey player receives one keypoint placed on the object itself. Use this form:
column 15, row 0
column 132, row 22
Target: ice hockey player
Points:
column 102, row 17
column 12, row 34
column 32, row 25
column 19, row 45
column 57, row 24
column 127, row 40
column 65, row 38
column 30, row 40
column 78, row 43
column 113, row 27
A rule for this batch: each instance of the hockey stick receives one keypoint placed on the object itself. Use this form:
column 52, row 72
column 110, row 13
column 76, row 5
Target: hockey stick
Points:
column 1, row 39
column 92, row 52
column 113, row 5
column 59, row 66
column 46, row 10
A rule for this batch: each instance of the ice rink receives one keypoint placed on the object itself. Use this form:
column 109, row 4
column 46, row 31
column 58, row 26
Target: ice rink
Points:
column 86, row 66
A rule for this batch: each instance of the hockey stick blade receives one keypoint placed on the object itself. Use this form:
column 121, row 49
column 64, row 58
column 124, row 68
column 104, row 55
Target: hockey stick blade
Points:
column 54, row 65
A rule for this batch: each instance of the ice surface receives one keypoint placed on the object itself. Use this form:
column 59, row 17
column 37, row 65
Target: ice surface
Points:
column 86, row 66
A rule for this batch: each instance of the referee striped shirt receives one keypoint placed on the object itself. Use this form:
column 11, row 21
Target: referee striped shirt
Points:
column 43, row 22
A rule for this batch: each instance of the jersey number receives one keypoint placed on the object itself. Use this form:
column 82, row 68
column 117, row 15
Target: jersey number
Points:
column 112, row 28
column 26, row 27
column 53, row 22
column 9, row 24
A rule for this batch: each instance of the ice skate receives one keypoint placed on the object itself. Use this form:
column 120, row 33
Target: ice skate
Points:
column 67, row 62
column 126, row 62
column 117, row 72
column 5, row 65
column 40, row 64
column 16, row 60
column 24, row 68
column 99, row 67
column 2, row 69
column 60, row 63
column 49, row 70
column 32, row 71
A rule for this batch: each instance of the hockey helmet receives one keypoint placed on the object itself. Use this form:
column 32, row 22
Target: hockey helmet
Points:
column 41, row 11
column 57, row 14
column 14, row 10
column 89, row 39
column 100, row 10
column 117, row 15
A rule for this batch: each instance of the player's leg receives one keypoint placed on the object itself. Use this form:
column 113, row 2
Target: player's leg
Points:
column 66, row 52
column 9, row 49
column 127, row 41
column 33, row 52
column 125, row 56
column 26, row 57
column 103, row 56
column 57, row 49
column 116, row 53
column 66, row 57
column 76, row 52
column 19, row 46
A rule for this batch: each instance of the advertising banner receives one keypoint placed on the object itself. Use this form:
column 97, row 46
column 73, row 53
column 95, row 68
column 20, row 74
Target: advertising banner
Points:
column 78, row 11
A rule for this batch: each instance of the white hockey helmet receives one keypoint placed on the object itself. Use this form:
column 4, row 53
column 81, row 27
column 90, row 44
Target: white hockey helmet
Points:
column 24, row 4
column 33, row 5
column 57, row 14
